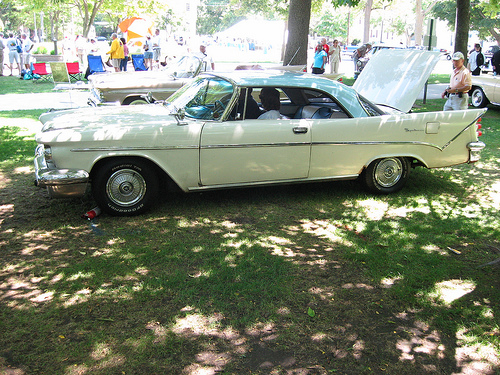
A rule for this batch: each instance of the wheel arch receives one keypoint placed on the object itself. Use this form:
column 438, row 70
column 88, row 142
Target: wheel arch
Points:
column 132, row 97
column 414, row 160
column 165, row 179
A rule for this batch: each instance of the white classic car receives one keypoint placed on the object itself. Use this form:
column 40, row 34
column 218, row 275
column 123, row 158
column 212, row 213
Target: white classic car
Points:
column 206, row 136
column 133, row 87
column 485, row 89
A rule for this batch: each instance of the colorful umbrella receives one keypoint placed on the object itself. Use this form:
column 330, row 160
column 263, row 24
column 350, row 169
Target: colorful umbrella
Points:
column 136, row 27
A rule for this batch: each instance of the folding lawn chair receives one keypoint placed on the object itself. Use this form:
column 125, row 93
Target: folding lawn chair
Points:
column 74, row 70
column 61, row 78
column 59, row 72
column 138, row 62
column 41, row 70
column 95, row 65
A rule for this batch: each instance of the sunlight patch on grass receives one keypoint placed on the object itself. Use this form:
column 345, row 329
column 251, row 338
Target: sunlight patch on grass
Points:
column 374, row 209
column 448, row 291
column 278, row 246
column 388, row 282
column 325, row 229
column 477, row 358
column 81, row 275
column 193, row 325
column 80, row 296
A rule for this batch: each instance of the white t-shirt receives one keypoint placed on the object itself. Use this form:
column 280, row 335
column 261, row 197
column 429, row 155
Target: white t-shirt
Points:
column 27, row 43
column 12, row 44
column 207, row 61
column 273, row 114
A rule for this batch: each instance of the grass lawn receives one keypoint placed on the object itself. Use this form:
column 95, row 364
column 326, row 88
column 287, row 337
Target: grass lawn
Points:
column 305, row 279
column 14, row 85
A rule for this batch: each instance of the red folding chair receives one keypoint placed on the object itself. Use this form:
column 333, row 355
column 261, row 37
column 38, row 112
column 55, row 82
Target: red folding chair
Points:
column 74, row 70
column 41, row 70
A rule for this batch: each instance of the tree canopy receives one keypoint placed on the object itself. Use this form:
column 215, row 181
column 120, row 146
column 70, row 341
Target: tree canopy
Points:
column 484, row 16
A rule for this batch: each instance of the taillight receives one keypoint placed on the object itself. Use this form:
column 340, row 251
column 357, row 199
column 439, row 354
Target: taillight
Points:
column 478, row 127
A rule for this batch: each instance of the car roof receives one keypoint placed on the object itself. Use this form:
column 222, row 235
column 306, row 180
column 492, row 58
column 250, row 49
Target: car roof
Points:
column 279, row 78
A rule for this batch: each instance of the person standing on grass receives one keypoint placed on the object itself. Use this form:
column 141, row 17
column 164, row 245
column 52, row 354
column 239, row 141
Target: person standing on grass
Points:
column 116, row 52
column 13, row 54
column 320, row 58
column 123, row 65
column 460, row 84
column 2, row 46
column 156, row 47
column 148, row 52
column 27, row 46
column 476, row 60
column 335, row 58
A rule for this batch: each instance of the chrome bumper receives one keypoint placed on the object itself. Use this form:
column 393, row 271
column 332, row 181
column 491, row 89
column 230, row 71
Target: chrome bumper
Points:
column 475, row 149
column 60, row 183
column 95, row 99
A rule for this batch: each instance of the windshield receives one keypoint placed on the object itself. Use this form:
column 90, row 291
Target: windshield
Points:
column 185, row 67
column 205, row 98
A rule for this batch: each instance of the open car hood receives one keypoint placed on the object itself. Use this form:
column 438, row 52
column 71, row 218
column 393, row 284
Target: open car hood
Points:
column 395, row 77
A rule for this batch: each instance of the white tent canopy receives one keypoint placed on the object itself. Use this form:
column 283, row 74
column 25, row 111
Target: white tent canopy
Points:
column 259, row 31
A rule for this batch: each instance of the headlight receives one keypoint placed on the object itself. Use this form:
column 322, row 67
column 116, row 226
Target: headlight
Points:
column 45, row 151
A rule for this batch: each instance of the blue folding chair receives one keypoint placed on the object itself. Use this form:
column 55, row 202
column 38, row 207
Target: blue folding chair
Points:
column 95, row 65
column 138, row 62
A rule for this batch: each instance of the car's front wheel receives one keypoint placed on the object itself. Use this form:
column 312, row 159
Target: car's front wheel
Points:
column 134, row 101
column 125, row 187
column 478, row 98
column 387, row 175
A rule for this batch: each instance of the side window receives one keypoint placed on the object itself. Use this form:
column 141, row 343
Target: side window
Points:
column 204, row 98
column 319, row 106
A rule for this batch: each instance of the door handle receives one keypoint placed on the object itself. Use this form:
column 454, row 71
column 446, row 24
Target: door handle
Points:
column 300, row 130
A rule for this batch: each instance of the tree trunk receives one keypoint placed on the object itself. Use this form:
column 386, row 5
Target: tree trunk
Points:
column 419, row 22
column 462, row 27
column 299, row 15
column 368, row 12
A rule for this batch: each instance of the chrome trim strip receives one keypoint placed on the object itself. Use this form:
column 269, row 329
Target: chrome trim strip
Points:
column 273, row 182
column 375, row 143
column 115, row 149
column 249, row 145
column 460, row 133
column 253, row 145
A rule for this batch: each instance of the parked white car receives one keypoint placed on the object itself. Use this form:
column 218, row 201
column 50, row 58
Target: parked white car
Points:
column 202, row 138
column 485, row 89
column 132, row 87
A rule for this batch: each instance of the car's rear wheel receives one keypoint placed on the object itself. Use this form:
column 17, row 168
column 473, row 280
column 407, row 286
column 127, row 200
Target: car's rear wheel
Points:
column 478, row 98
column 387, row 175
column 125, row 187
column 134, row 101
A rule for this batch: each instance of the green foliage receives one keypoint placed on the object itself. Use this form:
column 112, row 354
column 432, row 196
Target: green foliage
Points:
column 214, row 17
column 483, row 16
column 41, row 50
column 333, row 25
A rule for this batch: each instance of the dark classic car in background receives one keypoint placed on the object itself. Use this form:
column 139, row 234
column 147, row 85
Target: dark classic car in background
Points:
column 201, row 138
column 485, row 89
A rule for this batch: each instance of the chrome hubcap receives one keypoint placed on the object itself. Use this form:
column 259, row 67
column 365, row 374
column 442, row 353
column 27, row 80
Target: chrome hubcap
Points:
column 126, row 187
column 388, row 172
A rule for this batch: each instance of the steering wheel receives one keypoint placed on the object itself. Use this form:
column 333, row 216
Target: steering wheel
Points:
column 219, row 109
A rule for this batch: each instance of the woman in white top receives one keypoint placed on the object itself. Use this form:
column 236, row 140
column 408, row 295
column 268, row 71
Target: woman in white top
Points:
column 335, row 57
